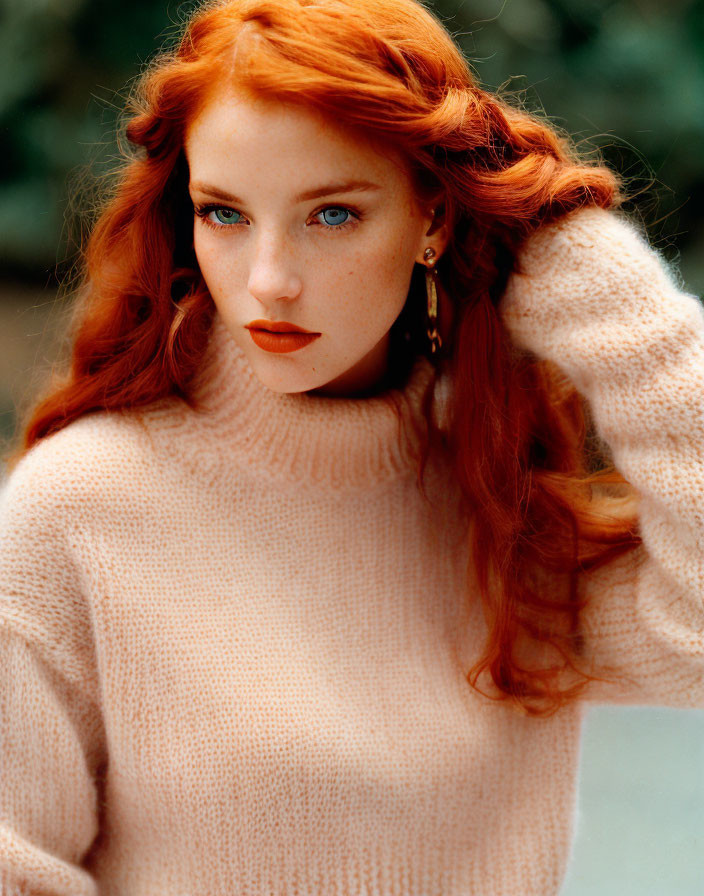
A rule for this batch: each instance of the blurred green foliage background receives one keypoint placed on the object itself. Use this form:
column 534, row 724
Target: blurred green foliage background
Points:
column 626, row 76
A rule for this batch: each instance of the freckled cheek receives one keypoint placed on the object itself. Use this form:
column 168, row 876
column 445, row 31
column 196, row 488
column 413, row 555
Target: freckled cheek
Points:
column 371, row 289
column 382, row 256
column 218, row 271
column 392, row 269
column 205, row 257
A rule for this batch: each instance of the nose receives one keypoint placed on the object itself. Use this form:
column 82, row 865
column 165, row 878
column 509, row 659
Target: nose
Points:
column 272, row 274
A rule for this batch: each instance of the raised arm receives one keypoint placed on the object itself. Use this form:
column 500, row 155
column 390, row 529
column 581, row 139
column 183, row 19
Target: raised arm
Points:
column 594, row 298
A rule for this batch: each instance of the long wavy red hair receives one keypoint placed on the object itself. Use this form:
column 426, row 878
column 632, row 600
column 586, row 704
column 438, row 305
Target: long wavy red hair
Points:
column 519, row 432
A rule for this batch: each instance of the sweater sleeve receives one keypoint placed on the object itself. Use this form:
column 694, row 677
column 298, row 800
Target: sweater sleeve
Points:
column 592, row 297
column 51, row 735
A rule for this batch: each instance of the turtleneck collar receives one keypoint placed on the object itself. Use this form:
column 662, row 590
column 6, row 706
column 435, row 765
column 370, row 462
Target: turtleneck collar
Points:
column 341, row 443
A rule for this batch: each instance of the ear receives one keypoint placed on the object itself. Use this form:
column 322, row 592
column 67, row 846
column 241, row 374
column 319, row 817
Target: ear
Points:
column 436, row 235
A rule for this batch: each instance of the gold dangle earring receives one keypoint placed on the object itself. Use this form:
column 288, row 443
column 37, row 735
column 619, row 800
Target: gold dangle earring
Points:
column 431, row 276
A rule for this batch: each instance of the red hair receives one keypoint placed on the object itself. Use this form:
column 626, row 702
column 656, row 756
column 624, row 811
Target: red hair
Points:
column 518, row 429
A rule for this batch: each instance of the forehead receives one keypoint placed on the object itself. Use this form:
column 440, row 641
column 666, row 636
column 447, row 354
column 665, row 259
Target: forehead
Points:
column 254, row 132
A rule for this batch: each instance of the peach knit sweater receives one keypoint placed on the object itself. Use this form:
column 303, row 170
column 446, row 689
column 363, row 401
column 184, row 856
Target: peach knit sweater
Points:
column 232, row 643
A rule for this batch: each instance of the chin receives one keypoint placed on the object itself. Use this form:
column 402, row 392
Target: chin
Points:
column 287, row 382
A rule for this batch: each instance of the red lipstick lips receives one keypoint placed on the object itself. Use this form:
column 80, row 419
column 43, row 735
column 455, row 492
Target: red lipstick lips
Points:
column 279, row 336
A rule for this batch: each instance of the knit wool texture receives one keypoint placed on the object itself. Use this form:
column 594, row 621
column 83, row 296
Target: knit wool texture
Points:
column 233, row 642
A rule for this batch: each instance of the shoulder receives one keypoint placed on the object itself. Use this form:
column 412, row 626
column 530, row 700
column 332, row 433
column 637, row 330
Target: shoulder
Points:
column 95, row 458
column 57, row 508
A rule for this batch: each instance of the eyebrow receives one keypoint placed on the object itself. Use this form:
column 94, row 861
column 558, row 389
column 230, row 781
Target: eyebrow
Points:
column 349, row 186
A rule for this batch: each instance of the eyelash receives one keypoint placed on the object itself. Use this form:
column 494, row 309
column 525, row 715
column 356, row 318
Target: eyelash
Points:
column 204, row 210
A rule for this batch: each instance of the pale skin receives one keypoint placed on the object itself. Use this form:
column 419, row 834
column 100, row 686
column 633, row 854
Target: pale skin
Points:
column 300, row 220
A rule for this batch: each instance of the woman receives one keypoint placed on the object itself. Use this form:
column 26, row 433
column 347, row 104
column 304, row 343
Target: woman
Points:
column 319, row 613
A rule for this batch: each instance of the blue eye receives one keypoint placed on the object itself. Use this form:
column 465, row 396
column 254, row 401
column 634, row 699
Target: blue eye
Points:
column 334, row 216
column 225, row 215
